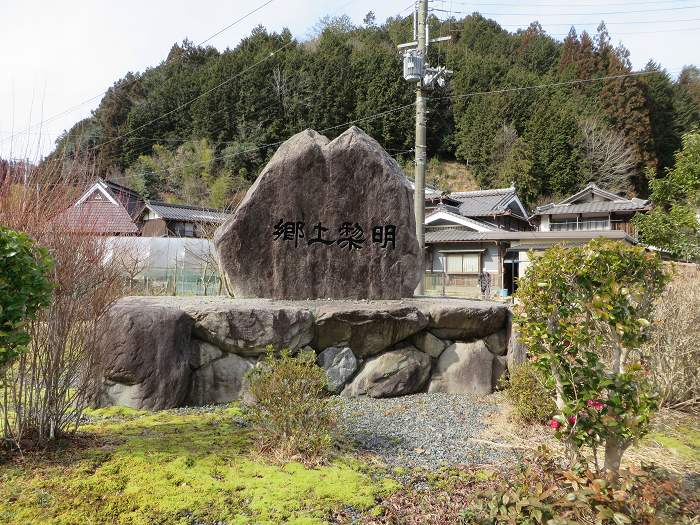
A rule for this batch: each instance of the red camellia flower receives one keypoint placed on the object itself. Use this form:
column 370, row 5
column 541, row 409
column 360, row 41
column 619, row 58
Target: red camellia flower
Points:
column 554, row 424
column 595, row 404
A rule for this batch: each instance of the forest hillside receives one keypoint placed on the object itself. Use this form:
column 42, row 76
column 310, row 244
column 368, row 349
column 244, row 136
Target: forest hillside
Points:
column 522, row 108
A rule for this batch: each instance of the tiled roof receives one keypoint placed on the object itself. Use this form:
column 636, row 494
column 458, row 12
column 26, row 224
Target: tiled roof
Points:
column 97, row 217
column 610, row 202
column 594, row 207
column 461, row 235
column 180, row 212
column 459, row 218
column 429, row 192
column 448, row 208
column 453, row 235
column 482, row 203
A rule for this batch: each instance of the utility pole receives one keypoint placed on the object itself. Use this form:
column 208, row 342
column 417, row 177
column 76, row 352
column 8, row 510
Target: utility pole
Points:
column 421, row 145
column 415, row 69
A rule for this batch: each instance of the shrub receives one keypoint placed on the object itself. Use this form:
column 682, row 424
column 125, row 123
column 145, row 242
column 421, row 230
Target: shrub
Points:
column 48, row 386
column 583, row 313
column 24, row 289
column 673, row 353
column 293, row 414
column 530, row 398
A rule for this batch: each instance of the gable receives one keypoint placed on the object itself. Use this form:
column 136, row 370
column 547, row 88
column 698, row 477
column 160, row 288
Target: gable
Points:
column 96, row 193
column 96, row 196
column 592, row 193
column 445, row 218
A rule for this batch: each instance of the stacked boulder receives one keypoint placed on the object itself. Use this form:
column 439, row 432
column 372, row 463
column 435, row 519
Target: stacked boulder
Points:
column 166, row 352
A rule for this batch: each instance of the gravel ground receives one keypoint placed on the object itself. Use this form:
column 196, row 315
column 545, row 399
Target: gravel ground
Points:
column 423, row 430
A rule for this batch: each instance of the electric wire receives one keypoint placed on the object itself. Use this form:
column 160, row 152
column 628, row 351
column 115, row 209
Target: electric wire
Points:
column 437, row 9
column 402, row 107
column 87, row 101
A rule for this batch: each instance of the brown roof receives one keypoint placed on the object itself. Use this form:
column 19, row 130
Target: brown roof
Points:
column 98, row 217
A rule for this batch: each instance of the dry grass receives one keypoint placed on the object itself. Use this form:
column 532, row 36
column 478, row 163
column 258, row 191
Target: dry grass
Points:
column 446, row 175
column 673, row 354
column 673, row 443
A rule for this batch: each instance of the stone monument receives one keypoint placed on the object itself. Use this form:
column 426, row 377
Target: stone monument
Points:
column 322, row 256
column 325, row 219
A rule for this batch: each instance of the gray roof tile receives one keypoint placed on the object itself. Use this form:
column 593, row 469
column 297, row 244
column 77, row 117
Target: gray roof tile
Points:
column 179, row 212
column 594, row 207
column 453, row 235
column 461, row 235
column 482, row 203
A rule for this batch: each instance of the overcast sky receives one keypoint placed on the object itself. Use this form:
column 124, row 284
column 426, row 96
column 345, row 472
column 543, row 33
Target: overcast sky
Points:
column 55, row 55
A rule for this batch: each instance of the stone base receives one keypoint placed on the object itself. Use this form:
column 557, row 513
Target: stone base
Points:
column 165, row 352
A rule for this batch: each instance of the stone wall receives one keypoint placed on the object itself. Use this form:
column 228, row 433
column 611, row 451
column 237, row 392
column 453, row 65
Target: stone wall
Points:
column 165, row 352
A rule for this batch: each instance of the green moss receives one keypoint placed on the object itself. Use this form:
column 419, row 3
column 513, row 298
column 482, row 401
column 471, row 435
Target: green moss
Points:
column 684, row 442
column 113, row 412
column 177, row 469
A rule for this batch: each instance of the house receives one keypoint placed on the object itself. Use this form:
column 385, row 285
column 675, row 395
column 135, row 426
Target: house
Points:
column 490, row 233
column 498, row 209
column 160, row 219
column 105, row 208
column 462, row 238
column 110, row 209
column 591, row 209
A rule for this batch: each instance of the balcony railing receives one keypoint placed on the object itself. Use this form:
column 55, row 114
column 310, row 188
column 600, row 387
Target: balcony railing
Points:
column 584, row 225
column 594, row 225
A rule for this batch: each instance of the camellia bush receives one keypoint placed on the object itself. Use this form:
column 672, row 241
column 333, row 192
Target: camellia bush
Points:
column 584, row 312
column 25, row 287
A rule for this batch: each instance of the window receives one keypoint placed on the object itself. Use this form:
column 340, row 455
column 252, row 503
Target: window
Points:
column 463, row 262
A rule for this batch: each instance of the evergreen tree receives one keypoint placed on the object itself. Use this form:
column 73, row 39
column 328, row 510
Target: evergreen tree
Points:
column 228, row 110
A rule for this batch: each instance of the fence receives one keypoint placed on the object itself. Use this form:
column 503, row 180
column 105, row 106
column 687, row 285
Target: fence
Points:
column 453, row 285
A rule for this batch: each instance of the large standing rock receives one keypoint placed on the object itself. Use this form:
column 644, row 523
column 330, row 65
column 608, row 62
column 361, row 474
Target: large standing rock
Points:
column 340, row 364
column 368, row 329
column 247, row 327
column 220, row 381
column 395, row 373
column 464, row 368
column 324, row 220
column 146, row 355
column 466, row 320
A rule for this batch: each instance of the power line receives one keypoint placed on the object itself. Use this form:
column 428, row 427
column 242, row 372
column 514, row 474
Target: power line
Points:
column 553, row 84
column 612, row 23
column 272, row 144
column 87, row 101
column 569, row 4
column 235, row 22
column 675, row 30
column 566, row 14
column 143, row 148
column 187, row 103
column 402, row 107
